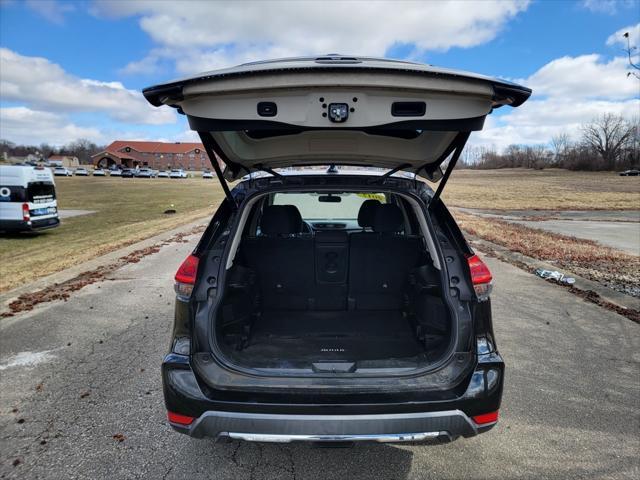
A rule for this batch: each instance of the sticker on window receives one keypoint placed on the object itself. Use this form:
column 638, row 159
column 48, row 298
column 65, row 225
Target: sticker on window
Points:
column 373, row 196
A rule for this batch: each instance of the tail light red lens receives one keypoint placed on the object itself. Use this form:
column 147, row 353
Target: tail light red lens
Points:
column 486, row 418
column 180, row 419
column 186, row 276
column 26, row 216
column 479, row 271
column 480, row 277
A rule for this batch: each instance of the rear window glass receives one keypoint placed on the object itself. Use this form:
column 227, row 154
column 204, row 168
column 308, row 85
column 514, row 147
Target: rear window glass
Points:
column 41, row 192
column 327, row 206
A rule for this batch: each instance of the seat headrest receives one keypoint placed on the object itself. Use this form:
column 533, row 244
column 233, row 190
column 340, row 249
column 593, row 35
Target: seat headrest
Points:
column 387, row 219
column 280, row 220
column 295, row 216
column 366, row 212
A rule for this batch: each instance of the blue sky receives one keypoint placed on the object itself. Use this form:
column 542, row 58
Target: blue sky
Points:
column 75, row 69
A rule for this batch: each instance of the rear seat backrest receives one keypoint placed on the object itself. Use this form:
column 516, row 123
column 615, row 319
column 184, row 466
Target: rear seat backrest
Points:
column 379, row 263
column 332, row 268
column 283, row 259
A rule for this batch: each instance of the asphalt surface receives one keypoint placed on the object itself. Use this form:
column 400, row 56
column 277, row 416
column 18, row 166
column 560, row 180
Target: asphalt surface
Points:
column 74, row 213
column 586, row 215
column 571, row 406
column 623, row 236
column 619, row 229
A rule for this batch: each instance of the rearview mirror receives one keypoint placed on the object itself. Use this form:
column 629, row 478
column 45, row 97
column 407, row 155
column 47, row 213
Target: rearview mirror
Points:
column 329, row 198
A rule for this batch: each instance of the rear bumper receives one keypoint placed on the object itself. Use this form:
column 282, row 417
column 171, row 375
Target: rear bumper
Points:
column 283, row 428
column 287, row 418
column 35, row 224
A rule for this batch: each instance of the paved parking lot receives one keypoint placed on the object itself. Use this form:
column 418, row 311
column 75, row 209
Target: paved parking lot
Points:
column 86, row 402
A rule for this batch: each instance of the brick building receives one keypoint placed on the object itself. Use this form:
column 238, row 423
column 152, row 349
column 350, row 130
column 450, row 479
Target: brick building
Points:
column 156, row 155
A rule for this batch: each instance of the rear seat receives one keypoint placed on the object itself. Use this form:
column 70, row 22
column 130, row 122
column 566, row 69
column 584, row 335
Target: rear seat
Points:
column 364, row 270
column 332, row 268
column 283, row 259
column 379, row 263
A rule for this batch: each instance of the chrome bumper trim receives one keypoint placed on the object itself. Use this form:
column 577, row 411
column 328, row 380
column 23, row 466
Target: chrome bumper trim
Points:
column 279, row 438
column 284, row 428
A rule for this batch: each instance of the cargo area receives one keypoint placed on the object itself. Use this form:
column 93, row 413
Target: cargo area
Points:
column 345, row 287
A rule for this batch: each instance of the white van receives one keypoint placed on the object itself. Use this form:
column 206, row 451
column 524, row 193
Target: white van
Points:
column 27, row 199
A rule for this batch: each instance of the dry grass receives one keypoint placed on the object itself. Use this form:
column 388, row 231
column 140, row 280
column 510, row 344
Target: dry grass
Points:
column 127, row 211
column 62, row 291
column 551, row 189
column 586, row 258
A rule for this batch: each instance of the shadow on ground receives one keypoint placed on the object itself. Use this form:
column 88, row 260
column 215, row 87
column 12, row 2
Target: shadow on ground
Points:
column 267, row 460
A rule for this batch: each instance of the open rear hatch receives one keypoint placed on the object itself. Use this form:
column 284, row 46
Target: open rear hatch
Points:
column 335, row 110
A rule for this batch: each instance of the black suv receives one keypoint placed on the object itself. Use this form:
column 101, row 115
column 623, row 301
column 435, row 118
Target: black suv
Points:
column 332, row 296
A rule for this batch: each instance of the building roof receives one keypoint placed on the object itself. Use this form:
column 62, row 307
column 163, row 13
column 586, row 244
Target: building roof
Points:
column 60, row 157
column 152, row 147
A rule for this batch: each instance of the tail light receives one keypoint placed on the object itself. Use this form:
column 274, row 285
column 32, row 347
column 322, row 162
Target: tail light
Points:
column 180, row 419
column 486, row 418
column 186, row 276
column 480, row 277
column 26, row 216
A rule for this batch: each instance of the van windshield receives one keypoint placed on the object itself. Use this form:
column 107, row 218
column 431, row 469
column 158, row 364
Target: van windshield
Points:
column 327, row 206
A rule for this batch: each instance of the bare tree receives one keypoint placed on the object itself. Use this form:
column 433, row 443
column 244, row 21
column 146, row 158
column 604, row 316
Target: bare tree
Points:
column 560, row 144
column 608, row 135
column 630, row 49
column 81, row 148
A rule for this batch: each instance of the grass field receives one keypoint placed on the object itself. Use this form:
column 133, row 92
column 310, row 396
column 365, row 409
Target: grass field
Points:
column 127, row 210
column 551, row 189
column 613, row 268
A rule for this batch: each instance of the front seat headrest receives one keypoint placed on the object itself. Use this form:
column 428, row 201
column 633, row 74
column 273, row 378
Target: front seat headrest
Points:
column 280, row 220
column 295, row 215
column 388, row 219
column 366, row 213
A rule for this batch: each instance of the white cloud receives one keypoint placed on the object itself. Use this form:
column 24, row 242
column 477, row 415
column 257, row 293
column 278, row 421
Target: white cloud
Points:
column 537, row 121
column 187, row 136
column 44, row 85
column 33, row 127
column 601, row 6
column 586, row 76
column 618, row 39
column 148, row 65
column 52, row 10
column 204, row 35
column 567, row 92
column 609, row 7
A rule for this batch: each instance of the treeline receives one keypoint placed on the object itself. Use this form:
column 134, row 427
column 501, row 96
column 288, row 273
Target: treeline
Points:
column 607, row 143
column 83, row 149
